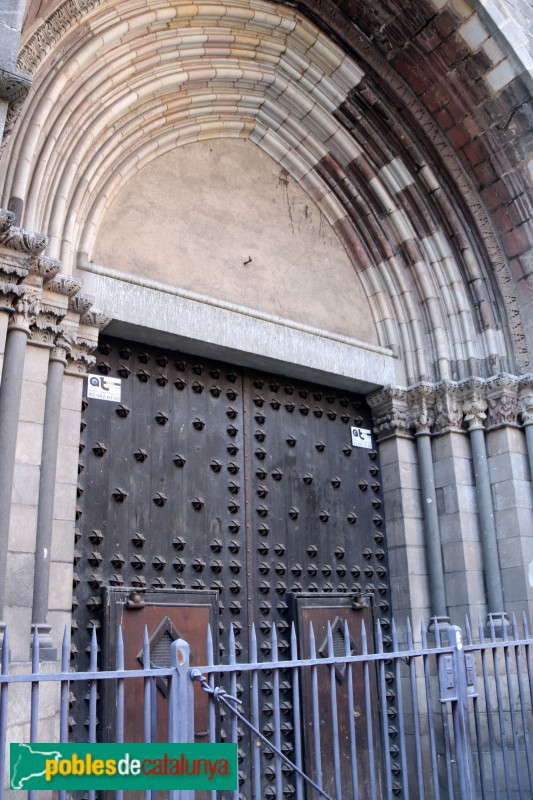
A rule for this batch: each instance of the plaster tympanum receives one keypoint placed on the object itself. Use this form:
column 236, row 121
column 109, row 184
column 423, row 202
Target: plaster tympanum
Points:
column 223, row 219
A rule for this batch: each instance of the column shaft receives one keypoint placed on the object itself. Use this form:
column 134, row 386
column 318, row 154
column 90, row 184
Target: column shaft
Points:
column 10, row 394
column 45, row 518
column 489, row 543
column 431, row 523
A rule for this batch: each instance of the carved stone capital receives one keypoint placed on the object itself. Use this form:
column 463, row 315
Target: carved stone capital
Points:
column 11, row 276
column 25, row 310
column 80, row 304
column 502, row 396
column 390, row 412
column 474, row 402
column 7, row 218
column 66, row 285
column 45, row 268
column 80, row 358
column 421, row 399
column 95, row 319
column 448, row 408
column 13, row 87
column 46, row 328
column 525, row 399
column 24, row 241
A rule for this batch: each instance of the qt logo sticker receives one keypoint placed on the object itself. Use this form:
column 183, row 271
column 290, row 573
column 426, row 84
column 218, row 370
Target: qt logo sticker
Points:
column 100, row 387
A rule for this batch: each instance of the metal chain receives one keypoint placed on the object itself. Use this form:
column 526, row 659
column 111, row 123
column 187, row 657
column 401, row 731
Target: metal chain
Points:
column 220, row 694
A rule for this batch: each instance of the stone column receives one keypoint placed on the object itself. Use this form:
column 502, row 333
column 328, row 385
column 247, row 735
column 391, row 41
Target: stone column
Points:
column 25, row 310
column 79, row 359
column 422, row 416
column 457, row 507
column 55, row 302
column 475, row 406
column 509, row 467
column 401, row 500
column 525, row 410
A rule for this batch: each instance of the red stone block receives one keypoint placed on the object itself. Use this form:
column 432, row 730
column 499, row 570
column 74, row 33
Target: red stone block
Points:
column 518, row 240
column 520, row 210
column 453, row 50
column 474, row 152
column 445, row 24
column 485, row 173
column 458, row 136
column 444, row 119
column 502, row 220
column 515, row 267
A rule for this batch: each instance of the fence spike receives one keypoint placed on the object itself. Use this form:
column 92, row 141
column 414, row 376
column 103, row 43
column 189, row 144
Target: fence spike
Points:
column 409, row 634
column 525, row 625
column 35, row 651
column 312, row 646
column 468, row 630
column 394, row 635
column 492, row 629
column 480, row 629
column 379, row 637
column 274, row 639
column 120, row 649
column 253, row 644
column 232, row 654
column 5, row 653
column 94, row 653
column 294, row 642
column 423, row 633
column 146, row 648
column 364, row 647
column 514, row 625
column 330, row 640
column 65, row 651
column 209, row 644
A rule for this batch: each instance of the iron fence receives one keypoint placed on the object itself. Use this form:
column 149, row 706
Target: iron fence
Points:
column 450, row 719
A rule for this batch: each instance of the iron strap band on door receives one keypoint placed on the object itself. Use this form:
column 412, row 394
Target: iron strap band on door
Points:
column 218, row 693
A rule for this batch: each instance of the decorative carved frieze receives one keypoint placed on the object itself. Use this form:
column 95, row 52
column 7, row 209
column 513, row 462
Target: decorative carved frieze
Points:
column 54, row 26
column 502, row 397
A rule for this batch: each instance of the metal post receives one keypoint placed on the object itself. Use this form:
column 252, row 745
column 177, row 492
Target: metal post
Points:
column 45, row 517
column 431, row 525
column 461, row 721
column 180, row 705
column 10, row 394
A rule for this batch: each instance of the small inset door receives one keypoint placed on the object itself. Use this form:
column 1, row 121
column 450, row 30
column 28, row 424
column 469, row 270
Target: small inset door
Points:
column 360, row 700
column 167, row 616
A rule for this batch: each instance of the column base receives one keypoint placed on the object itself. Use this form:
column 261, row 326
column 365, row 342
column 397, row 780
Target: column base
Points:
column 47, row 651
column 437, row 628
column 497, row 622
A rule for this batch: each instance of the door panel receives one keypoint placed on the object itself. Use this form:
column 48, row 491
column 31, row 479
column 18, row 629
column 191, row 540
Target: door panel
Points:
column 207, row 477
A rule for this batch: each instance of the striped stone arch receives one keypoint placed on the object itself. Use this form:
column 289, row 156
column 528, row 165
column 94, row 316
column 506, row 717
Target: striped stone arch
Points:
column 117, row 84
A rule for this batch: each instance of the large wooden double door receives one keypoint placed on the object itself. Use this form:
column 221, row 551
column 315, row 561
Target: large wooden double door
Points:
column 235, row 486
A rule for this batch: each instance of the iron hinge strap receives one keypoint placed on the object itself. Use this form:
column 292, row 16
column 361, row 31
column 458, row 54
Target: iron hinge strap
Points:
column 218, row 693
